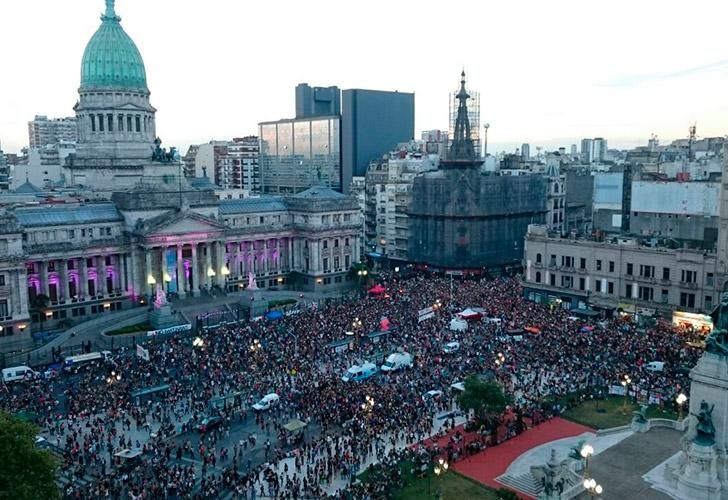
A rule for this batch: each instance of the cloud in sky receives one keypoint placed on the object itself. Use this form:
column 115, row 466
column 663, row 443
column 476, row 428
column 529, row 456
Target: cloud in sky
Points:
column 545, row 70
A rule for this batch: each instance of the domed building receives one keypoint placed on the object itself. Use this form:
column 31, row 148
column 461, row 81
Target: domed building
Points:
column 116, row 121
column 150, row 233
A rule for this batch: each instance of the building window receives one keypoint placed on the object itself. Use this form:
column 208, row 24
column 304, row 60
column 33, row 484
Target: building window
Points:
column 646, row 293
column 567, row 281
column 582, row 283
column 538, row 258
column 336, row 243
column 4, row 312
column 93, row 123
column 567, row 261
column 89, row 263
column 664, row 295
column 611, row 266
column 629, row 269
column 688, row 276
column 687, row 299
column 610, row 287
column 666, row 273
column 120, row 124
column 709, row 279
column 326, row 244
column 138, row 124
column 326, row 265
column 582, row 263
column 598, row 286
column 538, row 277
column 647, row 271
column 599, row 265
column 110, row 122
column 628, row 290
column 708, row 302
column 552, row 279
column 101, row 123
column 347, row 261
column 128, row 124
column 346, row 242
column 553, row 260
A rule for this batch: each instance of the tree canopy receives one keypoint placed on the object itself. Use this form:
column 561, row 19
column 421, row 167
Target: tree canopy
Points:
column 486, row 399
column 26, row 472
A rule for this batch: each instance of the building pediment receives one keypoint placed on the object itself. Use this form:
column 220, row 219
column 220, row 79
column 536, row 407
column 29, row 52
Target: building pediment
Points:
column 174, row 223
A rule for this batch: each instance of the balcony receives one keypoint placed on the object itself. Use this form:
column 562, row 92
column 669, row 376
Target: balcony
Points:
column 688, row 284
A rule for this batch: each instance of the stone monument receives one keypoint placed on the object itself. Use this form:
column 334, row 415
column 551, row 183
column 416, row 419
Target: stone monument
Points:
column 161, row 315
column 702, row 471
column 253, row 301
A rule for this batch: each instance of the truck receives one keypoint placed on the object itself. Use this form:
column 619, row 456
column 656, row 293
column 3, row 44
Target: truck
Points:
column 18, row 373
column 396, row 361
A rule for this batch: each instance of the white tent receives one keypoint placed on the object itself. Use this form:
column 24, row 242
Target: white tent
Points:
column 469, row 314
column 458, row 325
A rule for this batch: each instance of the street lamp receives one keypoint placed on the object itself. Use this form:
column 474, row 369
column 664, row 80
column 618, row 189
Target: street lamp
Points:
column 356, row 323
column 151, row 282
column 586, row 452
column 440, row 468
column 592, row 488
column 625, row 383
column 198, row 342
column 113, row 378
column 368, row 405
column 500, row 359
column 255, row 346
column 681, row 398
column 167, row 280
column 224, row 270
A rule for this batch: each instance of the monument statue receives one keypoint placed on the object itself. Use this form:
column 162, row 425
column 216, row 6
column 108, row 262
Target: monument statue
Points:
column 640, row 416
column 705, row 428
column 717, row 341
column 575, row 451
column 252, row 285
column 160, row 298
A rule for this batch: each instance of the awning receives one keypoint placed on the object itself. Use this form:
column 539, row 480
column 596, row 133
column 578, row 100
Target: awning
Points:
column 294, row 425
column 374, row 255
column 376, row 290
column 273, row 315
column 469, row 314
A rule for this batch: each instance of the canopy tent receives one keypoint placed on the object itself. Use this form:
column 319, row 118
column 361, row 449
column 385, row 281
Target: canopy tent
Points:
column 458, row 325
column 533, row 329
column 377, row 289
column 128, row 453
column 294, row 425
column 273, row 315
column 469, row 314
column 586, row 329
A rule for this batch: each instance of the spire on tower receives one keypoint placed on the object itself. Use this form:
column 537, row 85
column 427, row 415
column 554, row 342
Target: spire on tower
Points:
column 110, row 12
column 462, row 147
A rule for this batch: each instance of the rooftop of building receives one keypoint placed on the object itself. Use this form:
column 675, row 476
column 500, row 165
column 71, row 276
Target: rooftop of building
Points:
column 82, row 213
column 252, row 205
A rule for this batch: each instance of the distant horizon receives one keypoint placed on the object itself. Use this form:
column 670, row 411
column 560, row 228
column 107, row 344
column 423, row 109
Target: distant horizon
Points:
column 541, row 79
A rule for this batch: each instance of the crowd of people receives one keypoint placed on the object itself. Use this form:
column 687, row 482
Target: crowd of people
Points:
column 92, row 418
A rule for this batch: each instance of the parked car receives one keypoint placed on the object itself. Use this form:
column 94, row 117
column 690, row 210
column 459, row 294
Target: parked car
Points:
column 266, row 402
column 209, row 423
column 358, row 373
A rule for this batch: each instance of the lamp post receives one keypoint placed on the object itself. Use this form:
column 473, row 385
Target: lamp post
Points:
column 681, row 398
column 167, row 280
column 211, row 274
column 625, row 383
column 113, row 378
column 593, row 489
column 151, row 282
column 586, row 452
column 440, row 469
column 198, row 343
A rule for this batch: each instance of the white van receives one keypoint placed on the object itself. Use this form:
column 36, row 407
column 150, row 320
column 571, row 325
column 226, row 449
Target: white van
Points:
column 73, row 362
column 655, row 366
column 358, row 373
column 451, row 347
column 18, row 373
column 396, row 361
column 266, row 402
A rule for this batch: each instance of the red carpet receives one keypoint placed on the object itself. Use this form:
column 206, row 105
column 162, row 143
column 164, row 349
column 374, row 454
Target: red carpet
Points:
column 485, row 466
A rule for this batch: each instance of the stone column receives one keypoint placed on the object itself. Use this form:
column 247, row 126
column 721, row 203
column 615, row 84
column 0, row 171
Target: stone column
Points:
column 289, row 257
column 83, row 277
column 44, row 278
column 220, row 256
column 101, row 275
column 277, row 260
column 195, row 286
column 163, row 267
column 137, row 283
column 208, row 265
column 147, row 270
column 180, row 274
column 63, row 278
column 123, row 283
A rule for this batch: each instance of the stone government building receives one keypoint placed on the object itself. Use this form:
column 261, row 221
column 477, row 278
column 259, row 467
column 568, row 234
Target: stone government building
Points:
column 141, row 223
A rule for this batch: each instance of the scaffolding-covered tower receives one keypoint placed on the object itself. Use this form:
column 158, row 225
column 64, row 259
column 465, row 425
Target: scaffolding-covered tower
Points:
column 473, row 116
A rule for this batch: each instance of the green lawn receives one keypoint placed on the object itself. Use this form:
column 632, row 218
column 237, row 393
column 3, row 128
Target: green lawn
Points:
column 606, row 413
column 137, row 328
column 453, row 486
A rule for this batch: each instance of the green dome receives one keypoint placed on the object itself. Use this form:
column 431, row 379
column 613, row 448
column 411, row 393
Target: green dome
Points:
column 111, row 59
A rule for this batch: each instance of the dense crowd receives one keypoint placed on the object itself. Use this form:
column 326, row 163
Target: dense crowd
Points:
column 292, row 356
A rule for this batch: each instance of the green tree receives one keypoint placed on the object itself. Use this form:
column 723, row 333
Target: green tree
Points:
column 486, row 399
column 26, row 472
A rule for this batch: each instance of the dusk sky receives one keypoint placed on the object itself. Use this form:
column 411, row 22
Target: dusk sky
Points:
column 549, row 73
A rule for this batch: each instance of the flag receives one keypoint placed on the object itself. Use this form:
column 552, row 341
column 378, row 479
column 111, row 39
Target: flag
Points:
column 142, row 353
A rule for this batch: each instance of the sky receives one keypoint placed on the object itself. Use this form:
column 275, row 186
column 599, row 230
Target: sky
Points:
column 548, row 72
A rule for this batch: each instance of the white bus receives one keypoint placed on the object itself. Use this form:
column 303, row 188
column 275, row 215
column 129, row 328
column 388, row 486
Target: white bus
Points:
column 73, row 362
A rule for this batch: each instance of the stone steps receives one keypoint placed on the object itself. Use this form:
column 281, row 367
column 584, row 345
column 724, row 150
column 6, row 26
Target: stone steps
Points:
column 525, row 483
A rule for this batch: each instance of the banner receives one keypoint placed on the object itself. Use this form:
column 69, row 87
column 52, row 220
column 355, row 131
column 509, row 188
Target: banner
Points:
column 172, row 329
column 142, row 353
column 425, row 313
